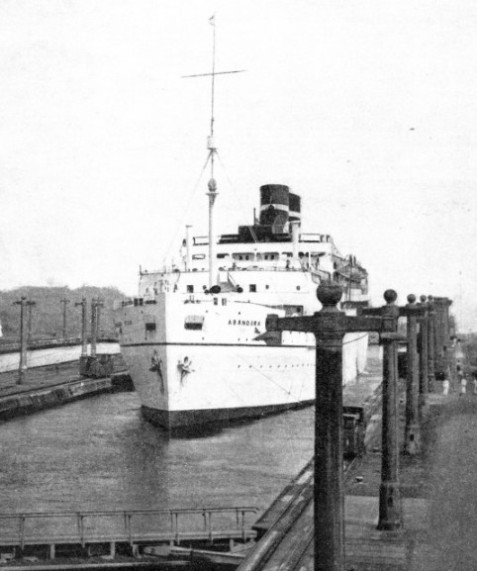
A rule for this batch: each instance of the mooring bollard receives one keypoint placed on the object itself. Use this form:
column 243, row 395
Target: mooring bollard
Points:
column 390, row 502
column 329, row 326
column 423, row 354
column 22, row 367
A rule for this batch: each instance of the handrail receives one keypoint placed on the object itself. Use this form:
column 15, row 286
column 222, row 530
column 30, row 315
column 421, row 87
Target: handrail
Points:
column 250, row 509
column 84, row 529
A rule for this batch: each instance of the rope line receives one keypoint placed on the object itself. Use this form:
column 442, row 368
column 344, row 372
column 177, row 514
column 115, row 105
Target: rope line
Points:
column 234, row 190
column 187, row 210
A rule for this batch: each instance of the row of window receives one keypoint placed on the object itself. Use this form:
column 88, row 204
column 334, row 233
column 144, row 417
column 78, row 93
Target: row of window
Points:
column 278, row 366
column 258, row 256
column 251, row 287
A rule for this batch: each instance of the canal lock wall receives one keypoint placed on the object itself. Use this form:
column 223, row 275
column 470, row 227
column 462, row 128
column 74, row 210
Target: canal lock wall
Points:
column 26, row 399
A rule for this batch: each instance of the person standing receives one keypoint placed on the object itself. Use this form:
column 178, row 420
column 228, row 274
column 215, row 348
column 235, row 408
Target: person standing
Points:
column 445, row 386
column 463, row 385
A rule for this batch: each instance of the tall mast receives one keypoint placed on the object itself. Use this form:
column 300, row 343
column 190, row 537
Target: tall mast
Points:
column 211, row 146
column 212, row 184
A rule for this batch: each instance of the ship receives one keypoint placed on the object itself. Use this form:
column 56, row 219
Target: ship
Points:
column 194, row 337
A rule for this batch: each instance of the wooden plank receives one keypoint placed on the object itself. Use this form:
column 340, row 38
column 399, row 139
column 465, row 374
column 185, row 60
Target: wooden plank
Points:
column 274, row 537
column 290, row 493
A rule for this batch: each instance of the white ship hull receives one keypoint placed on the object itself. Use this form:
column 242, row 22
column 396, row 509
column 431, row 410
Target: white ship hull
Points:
column 221, row 372
column 229, row 382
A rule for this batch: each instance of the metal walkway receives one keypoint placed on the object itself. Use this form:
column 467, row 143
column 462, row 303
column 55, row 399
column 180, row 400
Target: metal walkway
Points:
column 49, row 531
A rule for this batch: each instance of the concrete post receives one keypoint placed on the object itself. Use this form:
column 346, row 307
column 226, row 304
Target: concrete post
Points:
column 443, row 333
column 329, row 430
column 30, row 305
column 446, row 303
column 94, row 306
column 329, row 327
column 431, row 344
column 412, row 435
column 390, row 503
column 64, row 301
column 84, row 335
column 99, row 305
column 22, row 368
column 437, row 335
column 423, row 355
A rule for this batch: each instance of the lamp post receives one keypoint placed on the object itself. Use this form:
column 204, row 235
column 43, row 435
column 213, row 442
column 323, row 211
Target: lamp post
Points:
column 30, row 305
column 329, row 327
column 84, row 336
column 96, row 303
column 65, row 302
column 22, row 368
column 412, row 437
column 390, row 502
column 423, row 354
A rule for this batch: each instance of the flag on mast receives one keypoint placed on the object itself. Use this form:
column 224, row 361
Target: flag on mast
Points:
column 212, row 20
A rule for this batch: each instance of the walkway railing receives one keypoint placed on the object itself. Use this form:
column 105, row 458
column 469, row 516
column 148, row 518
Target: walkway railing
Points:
column 134, row 526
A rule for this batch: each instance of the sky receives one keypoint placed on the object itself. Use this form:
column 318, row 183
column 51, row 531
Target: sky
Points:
column 367, row 109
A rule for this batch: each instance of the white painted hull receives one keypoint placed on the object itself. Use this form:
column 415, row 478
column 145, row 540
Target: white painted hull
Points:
column 227, row 381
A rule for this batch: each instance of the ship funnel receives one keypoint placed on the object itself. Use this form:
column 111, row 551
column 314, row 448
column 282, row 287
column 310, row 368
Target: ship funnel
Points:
column 274, row 207
column 294, row 208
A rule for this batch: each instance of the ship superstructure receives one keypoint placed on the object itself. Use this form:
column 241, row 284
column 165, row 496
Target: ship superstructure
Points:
column 276, row 256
